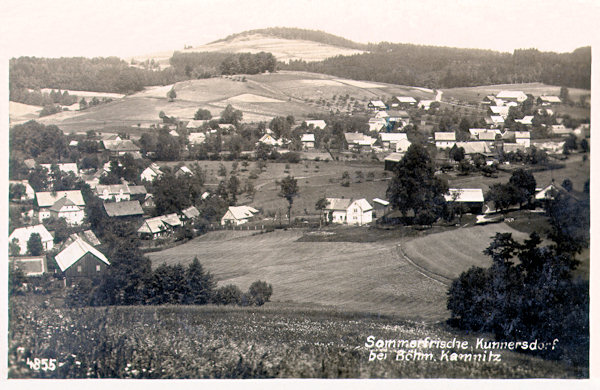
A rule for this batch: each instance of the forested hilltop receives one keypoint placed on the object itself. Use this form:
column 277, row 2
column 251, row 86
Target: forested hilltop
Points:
column 444, row 67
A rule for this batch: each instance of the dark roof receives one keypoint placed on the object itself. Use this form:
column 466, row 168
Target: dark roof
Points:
column 123, row 209
column 191, row 212
column 137, row 190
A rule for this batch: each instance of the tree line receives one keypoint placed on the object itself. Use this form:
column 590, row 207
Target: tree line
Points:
column 442, row 67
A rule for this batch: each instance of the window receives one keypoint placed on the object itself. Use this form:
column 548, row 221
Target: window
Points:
column 97, row 267
column 78, row 268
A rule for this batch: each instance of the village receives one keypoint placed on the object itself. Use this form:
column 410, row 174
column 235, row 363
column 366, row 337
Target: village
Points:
column 125, row 176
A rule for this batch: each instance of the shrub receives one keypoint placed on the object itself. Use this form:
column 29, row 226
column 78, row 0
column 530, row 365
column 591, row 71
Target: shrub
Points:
column 260, row 292
column 228, row 295
column 81, row 294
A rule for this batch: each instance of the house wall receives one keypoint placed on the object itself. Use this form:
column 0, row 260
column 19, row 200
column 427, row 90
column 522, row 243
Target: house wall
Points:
column 523, row 141
column 356, row 216
column 72, row 215
column 444, row 144
column 89, row 266
column 338, row 216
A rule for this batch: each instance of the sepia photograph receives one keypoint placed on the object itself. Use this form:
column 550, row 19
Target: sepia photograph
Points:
column 331, row 189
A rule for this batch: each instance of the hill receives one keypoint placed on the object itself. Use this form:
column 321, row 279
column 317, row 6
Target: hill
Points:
column 261, row 97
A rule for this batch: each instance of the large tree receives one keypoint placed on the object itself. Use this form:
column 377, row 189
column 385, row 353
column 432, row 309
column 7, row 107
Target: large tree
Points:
column 289, row 190
column 525, row 184
column 414, row 186
column 34, row 244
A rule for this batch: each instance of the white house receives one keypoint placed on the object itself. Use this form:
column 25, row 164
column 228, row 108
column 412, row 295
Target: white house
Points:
column 45, row 200
column 405, row 100
column 151, row 173
column 376, row 105
column 444, row 139
column 196, row 138
column 377, row 124
column 159, row 226
column 515, row 96
column 267, row 139
column 359, row 140
column 561, row 130
column 523, row 138
column 238, row 215
column 67, row 209
column 22, row 235
column 64, row 168
column 527, row 120
column 308, row 141
column 500, row 110
column 494, row 120
column 425, row 104
column 29, row 191
column 402, row 146
column 184, row 171
column 549, row 100
column 470, row 197
column 390, row 140
column 118, row 192
column 346, row 211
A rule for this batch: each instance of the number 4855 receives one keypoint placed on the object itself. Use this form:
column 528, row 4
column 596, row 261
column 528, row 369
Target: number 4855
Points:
column 42, row 364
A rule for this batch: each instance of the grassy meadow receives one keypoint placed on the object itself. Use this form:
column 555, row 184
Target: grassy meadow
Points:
column 273, row 341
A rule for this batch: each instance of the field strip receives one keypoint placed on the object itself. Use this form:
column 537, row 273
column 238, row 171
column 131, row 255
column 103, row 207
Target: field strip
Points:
column 424, row 271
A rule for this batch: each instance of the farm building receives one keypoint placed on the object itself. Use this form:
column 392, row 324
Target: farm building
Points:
column 405, row 101
column 513, row 96
column 494, row 121
column 561, row 130
column 475, row 147
column 195, row 124
column 549, row 100
column 29, row 191
column 508, row 147
column 346, row 211
column 120, row 147
column 359, row 141
column 125, row 209
column 392, row 160
column 190, row 213
column 376, row 105
column 472, row 198
column 308, row 141
column 527, row 120
column 184, row 171
column 87, row 236
column 65, row 208
column 30, row 265
column 377, row 124
column 160, row 226
column 316, row 123
column 152, row 172
column 81, row 260
column 499, row 110
column 45, row 200
column 238, row 215
column 425, row 104
column 267, row 139
column 29, row 163
column 398, row 116
column 22, row 235
column 137, row 192
column 402, row 146
column 93, row 179
column 444, row 139
column 548, row 192
column 380, row 207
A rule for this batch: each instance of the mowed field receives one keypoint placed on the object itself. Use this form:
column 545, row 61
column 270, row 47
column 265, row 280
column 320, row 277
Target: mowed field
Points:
column 450, row 253
column 261, row 97
column 368, row 277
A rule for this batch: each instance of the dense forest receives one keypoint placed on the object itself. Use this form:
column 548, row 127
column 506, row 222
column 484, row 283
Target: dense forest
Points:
column 442, row 67
column 109, row 74
column 207, row 64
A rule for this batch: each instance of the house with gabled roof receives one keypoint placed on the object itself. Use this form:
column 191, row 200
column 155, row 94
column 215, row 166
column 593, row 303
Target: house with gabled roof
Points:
column 29, row 163
column 523, row 138
column 196, row 138
column 120, row 147
column 390, row 140
column 405, row 101
column 514, row 96
column 67, row 209
column 151, row 172
column 475, row 147
column 308, row 141
column 124, row 209
column 238, row 215
column 63, row 167
column 376, row 105
column 29, row 191
column 527, row 120
column 81, row 260
column 23, row 234
column 316, row 123
column 268, row 139
column 548, row 100
column 116, row 192
column 347, row 211
column 377, row 124
column 561, row 130
column 190, row 213
column 494, row 121
column 472, row 198
column 359, row 141
column 184, row 171
column 160, row 226
column 499, row 110
column 444, row 139
column 47, row 199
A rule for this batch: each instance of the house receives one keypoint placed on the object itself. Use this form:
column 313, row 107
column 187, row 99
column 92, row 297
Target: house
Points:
column 87, row 236
column 238, row 215
column 116, row 192
column 120, row 147
column 425, row 104
column 308, row 141
column 22, row 235
column 65, row 208
column 64, row 168
column 151, row 172
column 173, row 133
column 402, row 146
column 196, row 138
column 527, row 120
column 346, row 211
column 195, row 124
column 45, row 200
column 512, row 147
column 124, row 209
column 392, row 160
column 472, row 198
column 184, row 171
column 93, row 179
column 486, row 135
column 190, row 213
column 475, row 147
column 405, row 101
column 582, row 131
column 398, row 116
column 316, row 123
column 494, row 121
column 267, row 139
column 159, row 226
column 359, row 141
column 523, row 138
column 499, row 110
column 550, row 100
column 377, row 124
column 389, row 140
column 30, row 265
column 549, row 146
column 81, row 260
column 444, row 139
column 548, row 192
column 513, row 96
column 29, row 191
column 30, row 163
column 226, row 126
column 137, row 192
column 110, row 137
column 376, row 105
column 561, row 130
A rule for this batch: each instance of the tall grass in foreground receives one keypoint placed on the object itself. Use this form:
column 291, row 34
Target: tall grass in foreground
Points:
column 232, row 342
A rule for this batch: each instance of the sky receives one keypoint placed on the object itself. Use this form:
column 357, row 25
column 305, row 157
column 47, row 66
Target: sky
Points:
column 129, row 28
